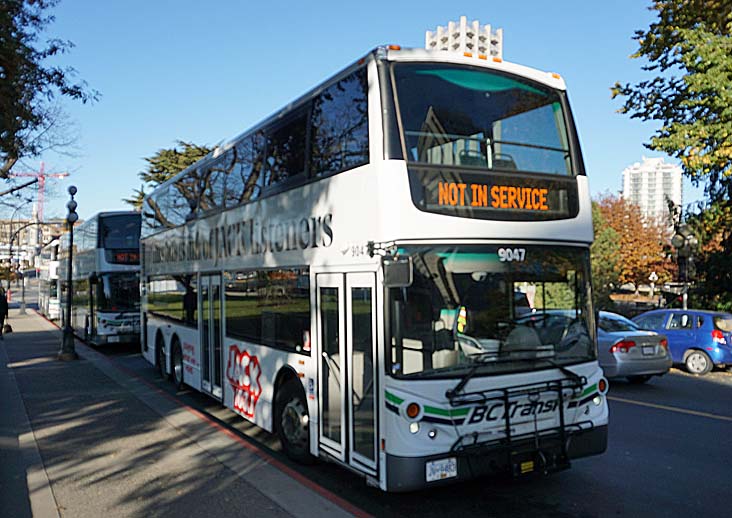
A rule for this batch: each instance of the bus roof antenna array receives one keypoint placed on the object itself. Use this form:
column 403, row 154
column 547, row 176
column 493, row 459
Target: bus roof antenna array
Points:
column 464, row 36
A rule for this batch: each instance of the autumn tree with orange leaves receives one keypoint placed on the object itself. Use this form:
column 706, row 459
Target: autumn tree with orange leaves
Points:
column 642, row 245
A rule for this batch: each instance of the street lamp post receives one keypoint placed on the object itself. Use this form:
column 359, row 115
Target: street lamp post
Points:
column 685, row 243
column 68, row 349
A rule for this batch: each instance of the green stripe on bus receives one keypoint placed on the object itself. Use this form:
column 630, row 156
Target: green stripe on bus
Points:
column 588, row 390
column 459, row 412
column 391, row 397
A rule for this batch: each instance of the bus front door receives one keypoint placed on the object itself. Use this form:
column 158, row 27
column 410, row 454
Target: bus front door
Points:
column 347, row 373
column 210, row 328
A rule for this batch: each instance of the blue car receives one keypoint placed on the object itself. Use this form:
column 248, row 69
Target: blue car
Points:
column 697, row 338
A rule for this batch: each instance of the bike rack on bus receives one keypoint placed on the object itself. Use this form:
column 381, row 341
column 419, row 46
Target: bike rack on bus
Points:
column 471, row 443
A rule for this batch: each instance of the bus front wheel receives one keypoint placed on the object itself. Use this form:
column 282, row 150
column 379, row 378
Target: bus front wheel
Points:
column 292, row 422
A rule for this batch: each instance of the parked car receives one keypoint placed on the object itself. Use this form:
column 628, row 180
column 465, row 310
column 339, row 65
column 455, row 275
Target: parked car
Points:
column 626, row 350
column 698, row 339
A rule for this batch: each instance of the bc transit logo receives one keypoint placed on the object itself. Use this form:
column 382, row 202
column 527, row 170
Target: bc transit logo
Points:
column 515, row 409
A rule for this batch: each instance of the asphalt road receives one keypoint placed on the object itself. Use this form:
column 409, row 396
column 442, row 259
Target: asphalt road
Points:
column 669, row 454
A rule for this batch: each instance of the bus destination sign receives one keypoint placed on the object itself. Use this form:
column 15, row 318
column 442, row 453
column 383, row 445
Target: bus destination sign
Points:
column 494, row 195
column 124, row 256
column 498, row 197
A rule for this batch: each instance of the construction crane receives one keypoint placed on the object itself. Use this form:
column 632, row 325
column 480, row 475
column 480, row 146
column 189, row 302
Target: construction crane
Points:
column 41, row 177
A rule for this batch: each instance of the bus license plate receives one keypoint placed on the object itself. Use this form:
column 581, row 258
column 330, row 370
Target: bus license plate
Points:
column 441, row 469
column 112, row 339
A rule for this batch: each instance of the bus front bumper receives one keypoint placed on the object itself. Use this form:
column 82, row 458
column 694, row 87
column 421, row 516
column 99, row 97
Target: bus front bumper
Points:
column 124, row 338
column 410, row 473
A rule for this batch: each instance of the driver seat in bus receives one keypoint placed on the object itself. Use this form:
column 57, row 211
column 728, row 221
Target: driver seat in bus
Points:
column 521, row 338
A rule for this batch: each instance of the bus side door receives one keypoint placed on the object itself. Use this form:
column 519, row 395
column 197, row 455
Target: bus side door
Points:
column 347, row 372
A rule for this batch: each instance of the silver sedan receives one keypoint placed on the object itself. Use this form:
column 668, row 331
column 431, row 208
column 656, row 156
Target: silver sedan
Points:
column 625, row 350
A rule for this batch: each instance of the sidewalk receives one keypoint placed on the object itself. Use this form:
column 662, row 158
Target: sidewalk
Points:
column 84, row 438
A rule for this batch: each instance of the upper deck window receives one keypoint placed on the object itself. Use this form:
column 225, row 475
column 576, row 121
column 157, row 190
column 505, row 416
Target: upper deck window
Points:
column 120, row 231
column 467, row 116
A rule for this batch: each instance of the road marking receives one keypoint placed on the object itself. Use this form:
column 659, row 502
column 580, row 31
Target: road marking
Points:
column 672, row 408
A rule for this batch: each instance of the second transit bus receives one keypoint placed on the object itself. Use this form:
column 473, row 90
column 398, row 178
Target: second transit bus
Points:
column 377, row 273
column 106, row 278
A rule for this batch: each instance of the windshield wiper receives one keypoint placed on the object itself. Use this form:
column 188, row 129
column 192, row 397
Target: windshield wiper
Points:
column 451, row 393
column 581, row 380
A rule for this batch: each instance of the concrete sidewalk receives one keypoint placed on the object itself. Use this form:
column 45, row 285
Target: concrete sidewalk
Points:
column 84, row 438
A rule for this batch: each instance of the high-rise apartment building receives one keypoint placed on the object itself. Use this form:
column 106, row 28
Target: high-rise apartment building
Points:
column 650, row 183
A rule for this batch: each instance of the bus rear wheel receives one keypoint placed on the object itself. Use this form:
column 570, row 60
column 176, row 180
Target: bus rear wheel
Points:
column 177, row 366
column 292, row 422
column 160, row 360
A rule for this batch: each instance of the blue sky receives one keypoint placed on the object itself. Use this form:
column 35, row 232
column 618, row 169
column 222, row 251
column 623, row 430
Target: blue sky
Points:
column 204, row 72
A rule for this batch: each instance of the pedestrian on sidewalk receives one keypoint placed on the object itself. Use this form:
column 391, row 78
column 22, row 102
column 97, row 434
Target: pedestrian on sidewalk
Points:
column 3, row 312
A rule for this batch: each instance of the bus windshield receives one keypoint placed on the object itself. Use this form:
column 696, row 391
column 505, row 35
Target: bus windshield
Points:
column 508, row 309
column 120, row 231
column 118, row 292
column 469, row 116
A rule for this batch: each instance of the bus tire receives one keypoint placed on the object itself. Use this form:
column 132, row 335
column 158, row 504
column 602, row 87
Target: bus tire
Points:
column 86, row 329
column 177, row 365
column 160, row 357
column 292, row 422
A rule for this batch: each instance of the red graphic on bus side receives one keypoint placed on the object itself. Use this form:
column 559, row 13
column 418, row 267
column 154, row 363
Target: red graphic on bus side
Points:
column 243, row 372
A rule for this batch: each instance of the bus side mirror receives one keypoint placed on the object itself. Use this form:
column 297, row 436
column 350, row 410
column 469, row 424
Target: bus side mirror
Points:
column 397, row 272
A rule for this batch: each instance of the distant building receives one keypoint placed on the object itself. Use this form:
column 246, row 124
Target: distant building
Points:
column 28, row 237
column 650, row 183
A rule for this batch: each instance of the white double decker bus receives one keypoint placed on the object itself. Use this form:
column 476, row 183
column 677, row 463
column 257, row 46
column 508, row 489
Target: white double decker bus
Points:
column 392, row 273
column 105, row 305
column 48, row 301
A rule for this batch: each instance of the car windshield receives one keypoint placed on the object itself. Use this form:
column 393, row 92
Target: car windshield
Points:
column 508, row 308
column 616, row 323
column 469, row 116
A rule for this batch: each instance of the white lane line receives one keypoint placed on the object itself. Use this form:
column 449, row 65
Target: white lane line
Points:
column 672, row 409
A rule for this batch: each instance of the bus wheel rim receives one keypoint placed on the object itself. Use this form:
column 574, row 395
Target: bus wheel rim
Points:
column 178, row 367
column 294, row 417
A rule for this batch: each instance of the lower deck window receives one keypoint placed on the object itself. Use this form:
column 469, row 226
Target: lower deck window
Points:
column 269, row 307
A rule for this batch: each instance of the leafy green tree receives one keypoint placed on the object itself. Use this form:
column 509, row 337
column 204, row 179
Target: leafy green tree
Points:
column 688, row 51
column 162, row 166
column 29, row 87
column 604, row 255
column 713, row 279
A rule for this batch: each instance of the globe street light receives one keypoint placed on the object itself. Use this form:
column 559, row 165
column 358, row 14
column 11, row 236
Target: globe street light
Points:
column 68, row 348
column 685, row 243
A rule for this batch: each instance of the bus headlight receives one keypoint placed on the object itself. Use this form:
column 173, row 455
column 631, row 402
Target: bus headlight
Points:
column 414, row 427
column 597, row 400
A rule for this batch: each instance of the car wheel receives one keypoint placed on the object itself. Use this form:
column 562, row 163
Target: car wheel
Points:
column 292, row 422
column 177, row 366
column 639, row 379
column 698, row 362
